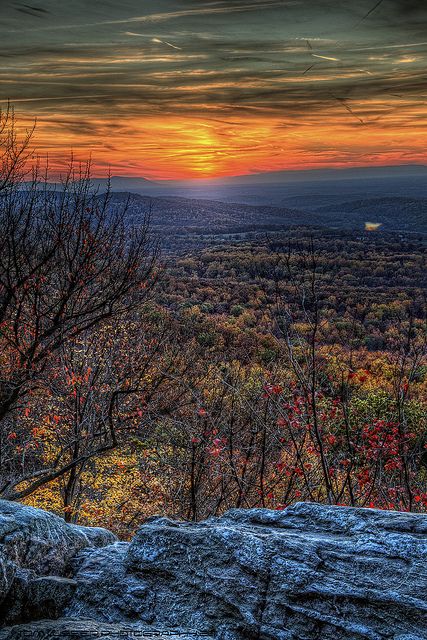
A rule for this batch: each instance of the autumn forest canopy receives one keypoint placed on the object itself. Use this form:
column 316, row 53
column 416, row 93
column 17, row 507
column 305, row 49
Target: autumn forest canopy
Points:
column 148, row 371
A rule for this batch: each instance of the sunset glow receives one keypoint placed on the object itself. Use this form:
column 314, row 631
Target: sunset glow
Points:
column 209, row 89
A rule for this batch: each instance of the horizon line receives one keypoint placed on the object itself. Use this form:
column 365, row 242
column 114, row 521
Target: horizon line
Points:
column 338, row 169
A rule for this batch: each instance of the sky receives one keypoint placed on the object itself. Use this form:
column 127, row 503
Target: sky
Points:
column 172, row 89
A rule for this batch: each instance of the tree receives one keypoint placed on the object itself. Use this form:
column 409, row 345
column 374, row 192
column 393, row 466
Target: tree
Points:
column 362, row 451
column 68, row 263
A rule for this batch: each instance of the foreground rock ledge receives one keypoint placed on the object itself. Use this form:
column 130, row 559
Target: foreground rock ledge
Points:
column 307, row 573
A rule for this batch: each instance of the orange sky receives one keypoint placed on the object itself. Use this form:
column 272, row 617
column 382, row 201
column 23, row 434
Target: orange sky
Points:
column 196, row 147
column 218, row 87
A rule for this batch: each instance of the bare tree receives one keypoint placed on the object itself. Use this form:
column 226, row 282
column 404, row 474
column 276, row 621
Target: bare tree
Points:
column 68, row 263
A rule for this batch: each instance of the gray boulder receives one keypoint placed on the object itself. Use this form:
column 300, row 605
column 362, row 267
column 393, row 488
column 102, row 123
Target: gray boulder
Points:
column 31, row 598
column 38, row 540
column 107, row 591
column 7, row 575
column 35, row 543
column 310, row 572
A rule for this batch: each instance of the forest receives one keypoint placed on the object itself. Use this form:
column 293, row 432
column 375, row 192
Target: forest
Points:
column 136, row 379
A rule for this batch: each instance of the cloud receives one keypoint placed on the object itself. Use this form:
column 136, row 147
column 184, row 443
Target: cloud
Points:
column 228, row 8
column 219, row 62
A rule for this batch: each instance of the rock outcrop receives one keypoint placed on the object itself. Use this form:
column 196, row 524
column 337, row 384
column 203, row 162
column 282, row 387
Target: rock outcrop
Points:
column 36, row 549
column 310, row 572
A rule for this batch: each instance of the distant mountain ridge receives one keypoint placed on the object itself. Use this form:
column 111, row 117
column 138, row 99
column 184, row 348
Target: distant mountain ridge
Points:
column 394, row 213
column 308, row 175
column 185, row 223
column 294, row 175
column 302, row 190
column 123, row 183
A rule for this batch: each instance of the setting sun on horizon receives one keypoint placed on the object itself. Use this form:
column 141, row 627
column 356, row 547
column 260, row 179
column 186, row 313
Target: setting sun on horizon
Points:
column 195, row 147
column 178, row 90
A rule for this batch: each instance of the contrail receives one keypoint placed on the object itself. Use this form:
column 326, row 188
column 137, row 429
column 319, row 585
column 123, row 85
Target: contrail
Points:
column 315, row 55
column 348, row 108
column 158, row 41
column 325, row 57
column 369, row 12
column 310, row 67
column 36, row 12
